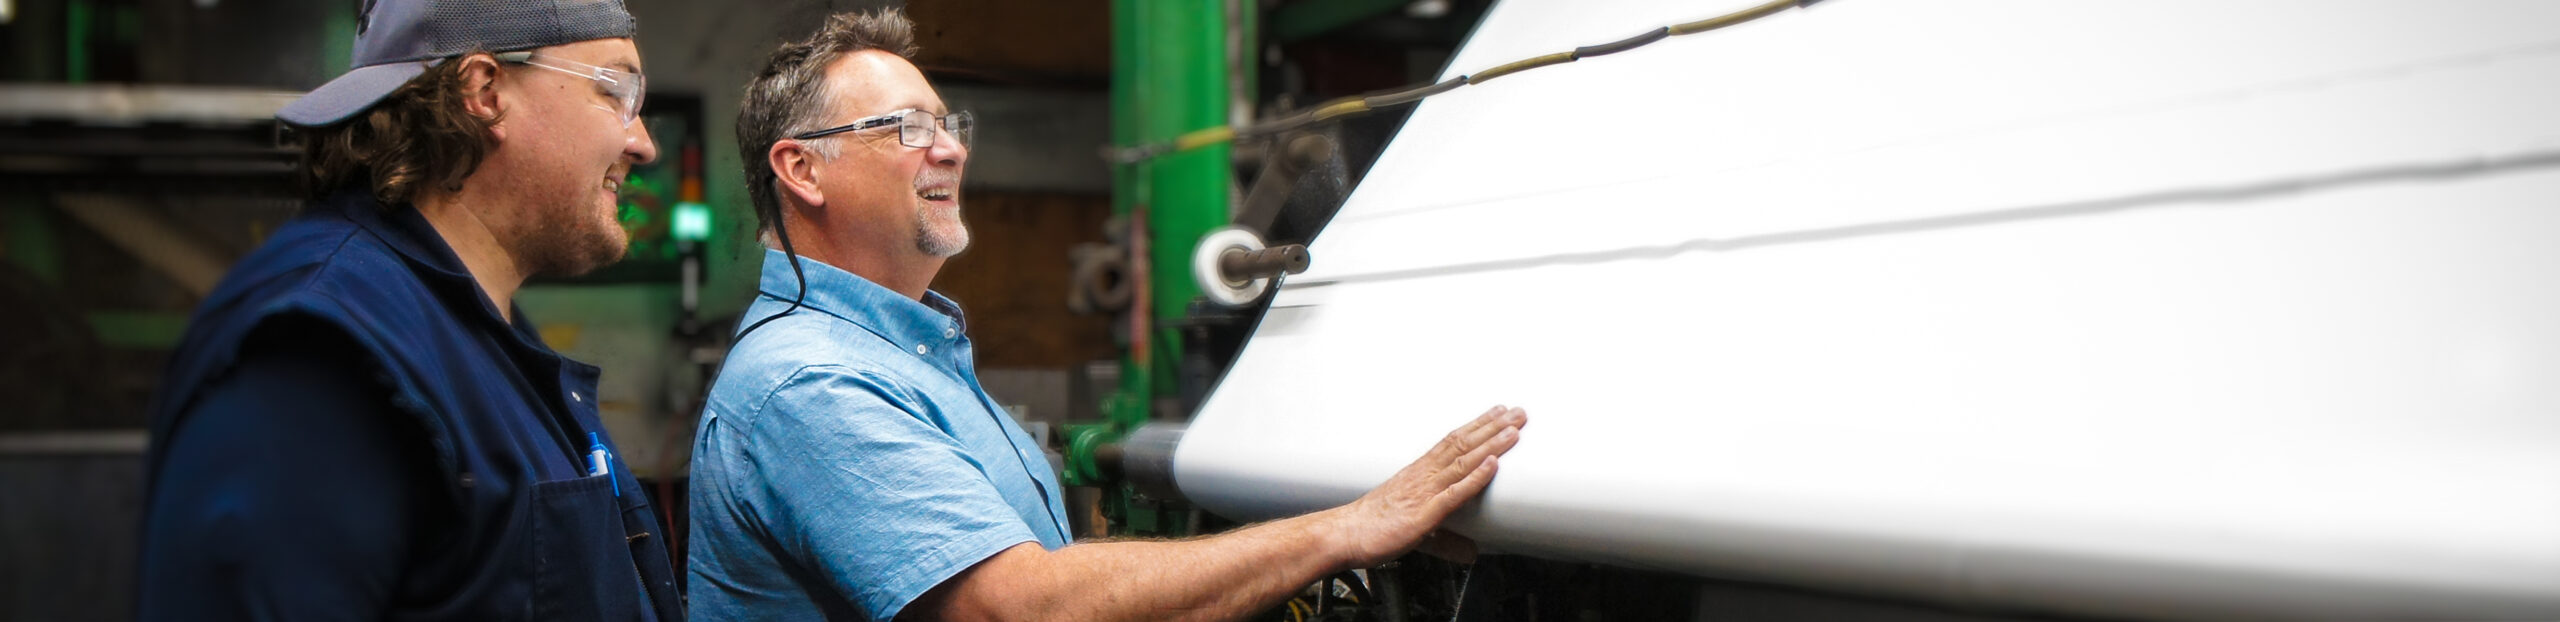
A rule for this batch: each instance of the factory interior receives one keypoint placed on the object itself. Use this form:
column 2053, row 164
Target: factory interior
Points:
column 1825, row 310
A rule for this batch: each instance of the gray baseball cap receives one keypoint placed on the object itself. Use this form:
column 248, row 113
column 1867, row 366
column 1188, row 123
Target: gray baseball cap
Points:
column 398, row 39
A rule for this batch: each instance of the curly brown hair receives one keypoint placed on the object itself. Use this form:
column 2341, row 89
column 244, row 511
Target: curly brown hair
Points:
column 790, row 94
column 419, row 134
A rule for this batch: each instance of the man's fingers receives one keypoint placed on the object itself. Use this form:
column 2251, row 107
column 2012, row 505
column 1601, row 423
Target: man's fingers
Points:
column 1465, row 489
column 1459, row 442
column 1455, row 456
column 1485, row 426
column 1477, row 431
column 1501, row 443
column 1496, row 440
column 1455, row 472
column 1473, row 431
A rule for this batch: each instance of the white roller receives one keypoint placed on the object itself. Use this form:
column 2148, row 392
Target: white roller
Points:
column 1213, row 283
column 2174, row 308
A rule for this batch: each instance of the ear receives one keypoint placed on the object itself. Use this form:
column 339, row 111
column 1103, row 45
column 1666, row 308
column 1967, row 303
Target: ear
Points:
column 795, row 172
column 480, row 91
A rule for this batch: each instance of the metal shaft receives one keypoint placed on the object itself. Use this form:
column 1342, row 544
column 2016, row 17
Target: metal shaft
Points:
column 1144, row 458
column 1243, row 265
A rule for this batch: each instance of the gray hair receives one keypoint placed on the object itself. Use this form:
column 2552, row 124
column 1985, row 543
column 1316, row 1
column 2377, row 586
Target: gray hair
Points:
column 790, row 95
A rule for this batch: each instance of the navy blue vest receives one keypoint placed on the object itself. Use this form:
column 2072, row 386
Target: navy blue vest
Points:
column 507, row 418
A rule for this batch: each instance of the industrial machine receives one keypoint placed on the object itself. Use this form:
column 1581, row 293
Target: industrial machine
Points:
column 1957, row 310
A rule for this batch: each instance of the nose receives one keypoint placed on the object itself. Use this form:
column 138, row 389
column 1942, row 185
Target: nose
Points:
column 637, row 145
column 947, row 150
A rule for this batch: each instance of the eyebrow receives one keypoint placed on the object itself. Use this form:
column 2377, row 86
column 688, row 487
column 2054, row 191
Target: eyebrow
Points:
column 935, row 110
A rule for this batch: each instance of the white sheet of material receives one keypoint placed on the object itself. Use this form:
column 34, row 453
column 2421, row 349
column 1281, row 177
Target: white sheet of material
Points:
column 2171, row 308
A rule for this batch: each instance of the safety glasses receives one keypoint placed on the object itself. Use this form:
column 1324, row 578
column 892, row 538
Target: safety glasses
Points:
column 915, row 127
column 626, row 88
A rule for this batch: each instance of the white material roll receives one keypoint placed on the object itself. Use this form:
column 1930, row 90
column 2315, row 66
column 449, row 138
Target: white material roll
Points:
column 1212, row 280
column 2166, row 309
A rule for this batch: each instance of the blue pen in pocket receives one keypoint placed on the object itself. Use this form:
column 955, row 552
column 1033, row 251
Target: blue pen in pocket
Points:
column 600, row 461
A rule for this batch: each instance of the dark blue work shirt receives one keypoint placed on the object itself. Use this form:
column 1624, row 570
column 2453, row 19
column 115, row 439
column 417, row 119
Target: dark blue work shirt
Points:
column 350, row 430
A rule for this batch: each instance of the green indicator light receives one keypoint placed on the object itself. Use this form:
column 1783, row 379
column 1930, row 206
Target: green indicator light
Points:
column 693, row 221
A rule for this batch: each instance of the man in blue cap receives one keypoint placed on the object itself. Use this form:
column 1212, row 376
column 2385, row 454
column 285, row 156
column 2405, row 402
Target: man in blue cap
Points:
column 360, row 423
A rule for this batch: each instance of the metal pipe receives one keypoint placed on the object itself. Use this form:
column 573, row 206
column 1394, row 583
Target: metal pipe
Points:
column 1241, row 266
column 1144, row 459
column 1279, row 179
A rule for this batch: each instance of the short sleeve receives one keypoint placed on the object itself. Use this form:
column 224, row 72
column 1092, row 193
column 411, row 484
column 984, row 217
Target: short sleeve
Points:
column 853, row 480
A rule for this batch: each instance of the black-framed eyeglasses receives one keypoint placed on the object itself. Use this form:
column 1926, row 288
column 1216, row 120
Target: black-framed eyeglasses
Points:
column 915, row 127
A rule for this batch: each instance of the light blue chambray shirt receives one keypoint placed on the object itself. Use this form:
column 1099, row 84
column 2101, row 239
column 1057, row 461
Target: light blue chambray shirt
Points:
column 848, row 461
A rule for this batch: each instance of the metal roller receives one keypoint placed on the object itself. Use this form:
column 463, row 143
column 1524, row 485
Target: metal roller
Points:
column 1234, row 268
column 1144, row 458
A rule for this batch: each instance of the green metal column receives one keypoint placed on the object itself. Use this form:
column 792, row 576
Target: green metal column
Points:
column 1129, row 196
column 1185, row 81
column 1169, row 76
column 1126, row 407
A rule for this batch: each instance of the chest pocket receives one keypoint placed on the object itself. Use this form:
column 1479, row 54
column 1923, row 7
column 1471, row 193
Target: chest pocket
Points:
column 582, row 564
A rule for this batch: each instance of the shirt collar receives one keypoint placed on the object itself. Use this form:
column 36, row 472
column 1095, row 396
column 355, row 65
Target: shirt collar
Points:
column 902, row 320
column 403, row 229
column 408, row 233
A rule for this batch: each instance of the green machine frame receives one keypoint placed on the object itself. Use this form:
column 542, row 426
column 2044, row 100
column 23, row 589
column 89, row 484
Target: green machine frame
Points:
column 1170, row 75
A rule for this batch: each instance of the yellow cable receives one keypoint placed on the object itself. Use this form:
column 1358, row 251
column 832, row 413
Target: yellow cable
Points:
column 1737, row 17
column 1352, row 106
column 1517, row 66
column 1204, row 138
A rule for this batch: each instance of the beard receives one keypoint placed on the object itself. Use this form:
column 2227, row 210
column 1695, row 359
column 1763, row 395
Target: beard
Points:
column 939, row 238
column 574, row 245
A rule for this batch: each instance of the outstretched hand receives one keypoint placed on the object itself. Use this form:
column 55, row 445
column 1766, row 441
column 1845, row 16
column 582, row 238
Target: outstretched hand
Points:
column 1398, row 515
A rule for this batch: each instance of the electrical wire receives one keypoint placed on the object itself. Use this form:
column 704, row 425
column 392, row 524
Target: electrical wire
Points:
column 1359, row 589
column 1363, row 104
column 784, row 234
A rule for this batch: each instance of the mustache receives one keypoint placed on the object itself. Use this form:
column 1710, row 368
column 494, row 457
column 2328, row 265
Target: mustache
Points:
column 938, row 177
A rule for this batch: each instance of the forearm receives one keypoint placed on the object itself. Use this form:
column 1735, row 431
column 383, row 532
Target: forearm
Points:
column 1222, row 577
column 1234, row 574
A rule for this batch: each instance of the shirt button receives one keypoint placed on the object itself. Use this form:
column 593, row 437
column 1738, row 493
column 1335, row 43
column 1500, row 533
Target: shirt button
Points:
column 574, row 397
column 950, row 332
column 921, row 349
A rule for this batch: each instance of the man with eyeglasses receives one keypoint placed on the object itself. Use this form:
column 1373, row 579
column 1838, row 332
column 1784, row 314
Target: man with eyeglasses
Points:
column 360, row 422
column 849, row 467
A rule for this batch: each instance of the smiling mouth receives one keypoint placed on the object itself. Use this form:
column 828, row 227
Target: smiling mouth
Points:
column 935, row 194
column 613, row 185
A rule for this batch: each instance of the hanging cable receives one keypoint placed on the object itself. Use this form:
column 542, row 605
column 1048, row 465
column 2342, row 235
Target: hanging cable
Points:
column 1359, row 104
column 784, row 234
